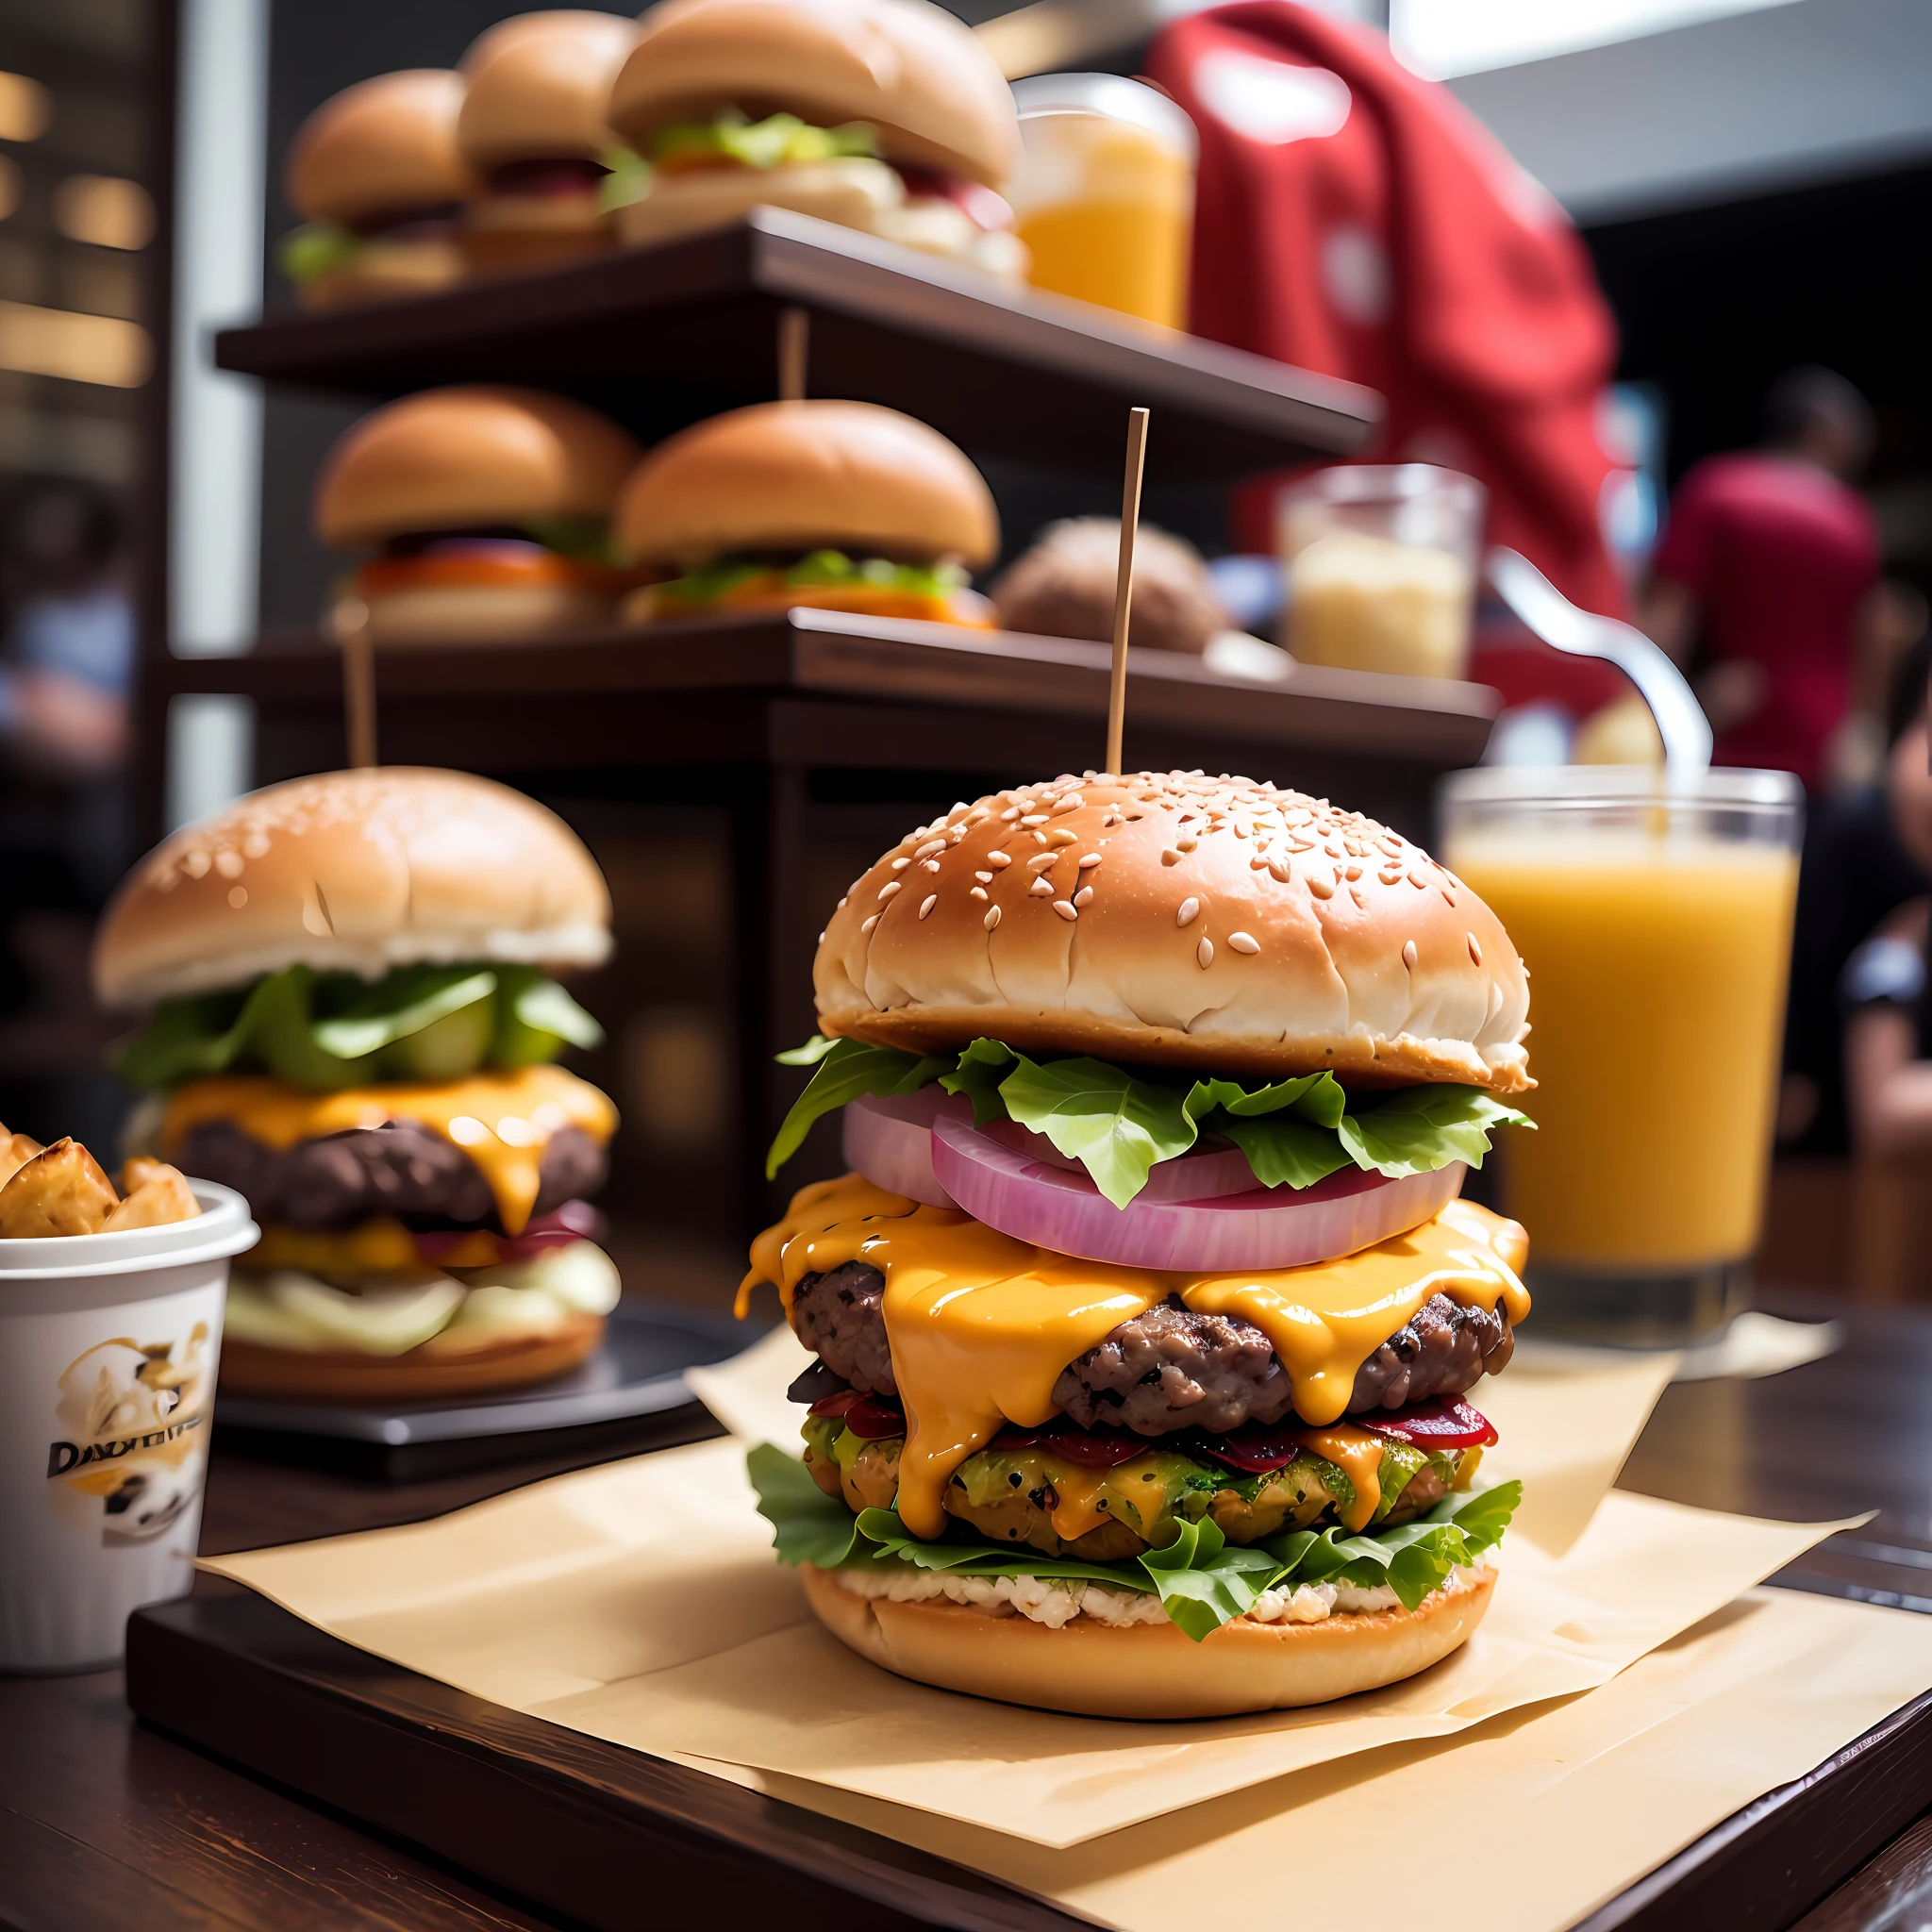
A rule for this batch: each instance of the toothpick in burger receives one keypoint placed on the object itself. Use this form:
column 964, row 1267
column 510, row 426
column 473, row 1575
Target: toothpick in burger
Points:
column 489, row 511
column 831, row 505
column 376, row 177
column 353, row 1022
column 1146, row 1321
column 883, row 115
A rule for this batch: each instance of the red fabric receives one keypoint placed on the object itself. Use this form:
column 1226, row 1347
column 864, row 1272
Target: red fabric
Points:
column 1402, row 249
column 1779, row 555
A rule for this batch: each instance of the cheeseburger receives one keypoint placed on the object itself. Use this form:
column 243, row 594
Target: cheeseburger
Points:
column 376, row 179
column 884, row 115
column 1145, row 1320
column 353, row 1024
column 532, row 129
column 838, row 506
column 488, row 512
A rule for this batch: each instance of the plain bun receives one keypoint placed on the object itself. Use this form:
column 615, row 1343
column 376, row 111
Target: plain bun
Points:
column 794, row 475
column 1151, row 1669
column 382, row 147
column 469, row 457
column 353, row 871
column 418, row 1374
column 1221, row 925
column 537, row 87
column 920, row 79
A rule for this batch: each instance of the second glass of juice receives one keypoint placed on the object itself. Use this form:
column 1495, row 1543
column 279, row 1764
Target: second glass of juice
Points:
column 1104, row 195
column 1655, row 918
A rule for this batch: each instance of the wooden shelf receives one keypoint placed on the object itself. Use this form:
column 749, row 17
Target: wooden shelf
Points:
column 663, row 336
column 821, row 689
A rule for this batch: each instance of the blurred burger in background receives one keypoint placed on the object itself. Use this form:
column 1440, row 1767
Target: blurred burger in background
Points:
column 1063, row 586
column 489, row 511
column 352, row 1023
column 832, row 504
column 376, row 177
column 883, row 115
column 533, row 131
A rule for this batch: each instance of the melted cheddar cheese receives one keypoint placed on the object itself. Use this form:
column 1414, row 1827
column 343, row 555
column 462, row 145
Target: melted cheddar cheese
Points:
column 502, row 1120
column 980, row 1325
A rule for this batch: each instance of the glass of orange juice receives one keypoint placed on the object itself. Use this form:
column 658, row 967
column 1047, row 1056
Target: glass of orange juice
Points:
column 1655, row 916
column 1104, row 195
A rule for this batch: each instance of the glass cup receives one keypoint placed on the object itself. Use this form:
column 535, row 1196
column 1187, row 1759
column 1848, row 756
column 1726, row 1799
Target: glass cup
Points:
column 1656, row 920
column 1380, row 567
column 1104, row 195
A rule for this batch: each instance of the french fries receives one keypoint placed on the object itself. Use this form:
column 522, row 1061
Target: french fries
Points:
column 60, row 1191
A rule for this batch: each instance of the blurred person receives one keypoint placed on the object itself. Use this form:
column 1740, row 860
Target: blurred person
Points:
column 1887, row 1031
column 68, row 659
column 1766, row 561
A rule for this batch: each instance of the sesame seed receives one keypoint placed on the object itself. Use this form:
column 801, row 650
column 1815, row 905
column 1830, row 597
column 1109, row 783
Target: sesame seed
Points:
column 977, row 892
column 1065, row 910
column 1041, row 889
column 1204, row 955
column 1187, row 844
column 1011, row 812
column 1041, row 861
column 999, row 858
column 869, row 923
column 1089, row 860
column 1476, row 952
column 1409, row 954
column 238, row 897
column 840, row 906
column 1072, row 802
column 930, row 846
column 985, row 878
column 1084, row 896
column 1353, row 873
column 1060, row 836
column 887, row 890
column 991, row 919
column 926, row 905
column 1244, row 942
column 1040, row 838
column 1388, row 879
column 1187, row 911
column 1448, row 895
column 1170, row 857
column 1417, row 880
column 1322, row 889
column 1278, row 872
column 1034, row 818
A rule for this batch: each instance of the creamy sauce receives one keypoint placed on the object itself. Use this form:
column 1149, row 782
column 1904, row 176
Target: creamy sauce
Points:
column 980, row 1325
column 502, row 1121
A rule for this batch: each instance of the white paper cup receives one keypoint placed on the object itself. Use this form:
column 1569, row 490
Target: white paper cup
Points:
column 109, row 1349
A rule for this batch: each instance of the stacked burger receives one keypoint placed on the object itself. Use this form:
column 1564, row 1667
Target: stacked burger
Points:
column 883, row 115
column 353, row 1024
column 1145, row 1322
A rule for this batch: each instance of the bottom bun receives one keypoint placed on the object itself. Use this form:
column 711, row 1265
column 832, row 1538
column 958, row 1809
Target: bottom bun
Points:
column 294, row 1374
column 382, row 271
column 522, row 236
column 1151, row 1669
column 486, row 613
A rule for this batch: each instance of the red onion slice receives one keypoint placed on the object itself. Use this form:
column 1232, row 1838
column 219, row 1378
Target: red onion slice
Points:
column 1266, row 1227
column 1200, row 1174
column 889, row 1140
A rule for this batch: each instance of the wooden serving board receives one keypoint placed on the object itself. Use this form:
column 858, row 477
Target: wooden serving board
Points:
column 614, row 1839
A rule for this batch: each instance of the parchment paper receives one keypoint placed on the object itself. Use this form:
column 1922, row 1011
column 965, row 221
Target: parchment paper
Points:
column 638, row 1602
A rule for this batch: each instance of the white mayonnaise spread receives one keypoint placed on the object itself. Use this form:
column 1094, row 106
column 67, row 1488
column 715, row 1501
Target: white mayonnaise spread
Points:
column 1055, row 1602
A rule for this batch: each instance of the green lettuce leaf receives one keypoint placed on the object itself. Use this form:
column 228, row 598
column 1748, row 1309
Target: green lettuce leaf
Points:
column 330, row 1030
column 1203, row 1581
column 629, row 181
column 777, row 140
column 809, row 1526
column 1118, row 1122
column 309, row 252
column 846, row 1070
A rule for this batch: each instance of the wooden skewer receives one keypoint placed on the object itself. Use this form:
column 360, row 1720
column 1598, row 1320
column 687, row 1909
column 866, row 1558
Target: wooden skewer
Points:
column 350, row 622
column 794, row 340
column 1124, row 584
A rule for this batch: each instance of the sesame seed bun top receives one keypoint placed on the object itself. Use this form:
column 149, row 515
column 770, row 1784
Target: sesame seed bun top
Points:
column 353, row 871
column 382, row 147
column 1180, row 920
column 922, row 80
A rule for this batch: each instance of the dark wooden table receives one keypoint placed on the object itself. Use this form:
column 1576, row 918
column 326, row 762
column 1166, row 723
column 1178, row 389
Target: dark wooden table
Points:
column 106, row 1825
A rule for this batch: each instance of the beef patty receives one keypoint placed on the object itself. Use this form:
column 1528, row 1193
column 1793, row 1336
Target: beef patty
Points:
column 400, row 1168
column 1170, row 1368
